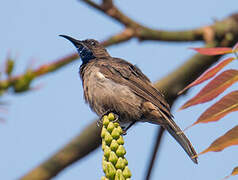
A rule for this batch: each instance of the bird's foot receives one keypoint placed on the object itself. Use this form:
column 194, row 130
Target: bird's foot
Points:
column 100, row 121
column 116, row 118
column 124, row 131
column 128, row 127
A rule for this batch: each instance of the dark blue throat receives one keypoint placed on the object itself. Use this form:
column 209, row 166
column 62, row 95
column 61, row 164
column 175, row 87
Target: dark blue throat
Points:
column 85, row 54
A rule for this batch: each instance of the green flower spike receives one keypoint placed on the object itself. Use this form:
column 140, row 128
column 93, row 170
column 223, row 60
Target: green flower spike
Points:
column 115, row 165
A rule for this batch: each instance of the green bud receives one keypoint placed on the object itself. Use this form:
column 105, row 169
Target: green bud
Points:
column 23, row 84
column 105, row 121
column 104, row 164
column 108, row 138
column 120, row 163
column 126, row 172
column 114, row 145
column 103, row 145
column 121, row 151
column 125, row 161
column 115, row 133
column 110, row 171
column 110, row 127
column 103, row 132
column 120, row 140
column 104, row 178
column 111, row 117
column 113, row 157
column 9, row 66
column 120, row 129
column 119, row 175
column 107, row 152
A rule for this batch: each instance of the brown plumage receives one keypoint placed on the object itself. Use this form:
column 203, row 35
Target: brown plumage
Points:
column 114, row 85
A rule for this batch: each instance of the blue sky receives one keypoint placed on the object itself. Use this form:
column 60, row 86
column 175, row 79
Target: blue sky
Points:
column 38, row 123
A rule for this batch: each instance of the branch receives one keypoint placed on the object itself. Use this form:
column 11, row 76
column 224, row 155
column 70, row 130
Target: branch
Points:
column 79, row 147
column 225, row 28
column 157, row 144
column 206, row 33
column 125, row 35
column 22, row 82
column 108, row 8
column 225, row 32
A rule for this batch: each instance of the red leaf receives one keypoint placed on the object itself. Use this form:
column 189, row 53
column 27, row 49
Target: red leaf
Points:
column 224, row 106
column 228, row 139
column 208, row 74
column 214, row 88
column 213, row 51
column 233, row 173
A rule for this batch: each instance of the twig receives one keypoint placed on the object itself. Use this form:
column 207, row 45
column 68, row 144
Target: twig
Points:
column 79, row 147
column 155, row 152
column 142, row 32
column 30, row 75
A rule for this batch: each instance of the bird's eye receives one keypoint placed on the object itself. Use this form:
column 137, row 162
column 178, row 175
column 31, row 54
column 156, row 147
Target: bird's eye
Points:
column 93, row 43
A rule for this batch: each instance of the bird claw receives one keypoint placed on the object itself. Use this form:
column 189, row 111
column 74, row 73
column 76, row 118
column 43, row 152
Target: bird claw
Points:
column 124, row 132
column 125, row 129
column 116, row 118
column 99, row 122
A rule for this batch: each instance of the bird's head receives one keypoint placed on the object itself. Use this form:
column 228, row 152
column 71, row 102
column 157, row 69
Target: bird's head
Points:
column 88, row 49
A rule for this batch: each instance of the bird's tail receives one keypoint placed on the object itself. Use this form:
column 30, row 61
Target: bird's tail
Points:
column 180, row 137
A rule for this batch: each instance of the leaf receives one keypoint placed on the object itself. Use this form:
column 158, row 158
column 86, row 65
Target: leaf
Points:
column 214, row 88
column 228, row 139
column 227, row 104
column 233, row 173
column 213, row 51
column 208, row 74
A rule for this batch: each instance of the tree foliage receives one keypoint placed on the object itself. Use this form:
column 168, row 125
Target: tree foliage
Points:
column 224, row 106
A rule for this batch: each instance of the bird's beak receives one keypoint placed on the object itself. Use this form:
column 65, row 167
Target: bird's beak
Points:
column 78, row 44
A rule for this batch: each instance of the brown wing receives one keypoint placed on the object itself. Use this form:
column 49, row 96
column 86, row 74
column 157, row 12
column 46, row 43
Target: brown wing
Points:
column 125, row 73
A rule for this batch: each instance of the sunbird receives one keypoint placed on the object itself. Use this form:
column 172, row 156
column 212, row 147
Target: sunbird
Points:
column 114, row 85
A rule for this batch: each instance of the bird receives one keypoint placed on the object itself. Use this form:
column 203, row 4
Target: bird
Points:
column 114, row 85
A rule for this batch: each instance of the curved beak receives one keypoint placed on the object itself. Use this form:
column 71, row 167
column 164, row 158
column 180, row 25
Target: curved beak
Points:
column 78, row 44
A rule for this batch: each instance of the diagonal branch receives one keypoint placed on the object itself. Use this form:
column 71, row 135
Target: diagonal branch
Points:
column 141, row 32
column 157, row 144
column 227, row 34
column 79, row 147
column 108, row 8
